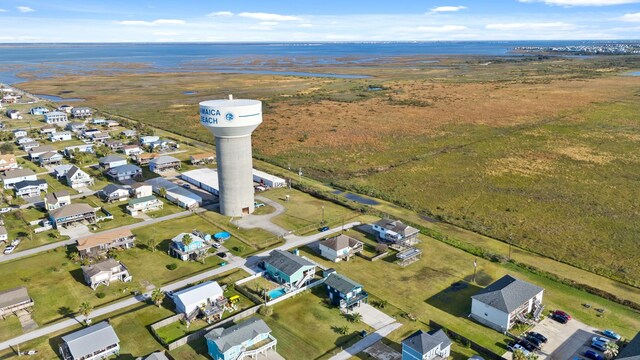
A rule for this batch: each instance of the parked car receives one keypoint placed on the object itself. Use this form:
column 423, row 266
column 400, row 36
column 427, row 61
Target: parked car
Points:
column 528, row 345
column 590, row 354
column 598, row 345
column 612, row 334
column 600, row 339
column 186, row 186
column 534, row 340
column 324, row 228
column 559, row 318
column 216, row 245
column 222, row 255
column 514, row 347
column 538, row 336
column 5, row 210
column 15, row 242
column 9, row 249
column 258, row 204
column 562, row 313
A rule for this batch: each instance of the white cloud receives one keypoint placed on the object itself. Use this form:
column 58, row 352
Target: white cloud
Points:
column 151, row 23
column 3, row 10
column 631, row 17
column 305, row 25
column 24, row 9
column 531, row 26
column 441, row 29
column 269, row 17
column 165, row 33
column 447, row 9
column 268, row 23
column 220, row 13
column 583, row 2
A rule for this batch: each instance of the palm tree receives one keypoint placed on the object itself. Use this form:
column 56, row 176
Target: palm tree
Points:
column 611, row 350
column 356, row 317
column 157, row 296
column 162, row 192
column 74, row 256
column 85, row 310
column 519, row 355
column 187, row 239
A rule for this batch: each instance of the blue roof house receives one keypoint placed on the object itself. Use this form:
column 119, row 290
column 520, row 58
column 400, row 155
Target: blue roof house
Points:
column 289, row 269
column 426, row 346
column 244, row 340
column 190, row 251
column 344, row 292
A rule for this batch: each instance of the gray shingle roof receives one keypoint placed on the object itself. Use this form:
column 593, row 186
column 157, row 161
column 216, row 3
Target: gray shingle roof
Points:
column 70, row 210
column 111, row 188
column 397, row 226
column 16, row 173
column 341, row 283
column 124, row 169
column 13, row 296
column 107, row 265
column 286, row 261
column 157, row 356
column 632, row 350
column 340, row 242
column 165, row 159
column 423, row 342
column 90, row 339
column 27, row 183
column 237, row 334
column 111, row 158
column 507, row 293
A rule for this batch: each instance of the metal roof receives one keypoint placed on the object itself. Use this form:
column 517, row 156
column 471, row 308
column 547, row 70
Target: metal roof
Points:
column 157, row 356
column 341, row 283
column 507, row 293
column 90, row 339
column 111, row 158
column 70, row 210
column 28, row 183
column 198, row 294
column 142, row 200
column 164, row 159
column 286, row 262
column 632, row 350
column 235, row 335
column 423, row 342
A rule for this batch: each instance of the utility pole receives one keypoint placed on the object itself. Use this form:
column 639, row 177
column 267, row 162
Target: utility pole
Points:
column 510, row 239
column 475, row 267
column 300, row 175
column 322, row 213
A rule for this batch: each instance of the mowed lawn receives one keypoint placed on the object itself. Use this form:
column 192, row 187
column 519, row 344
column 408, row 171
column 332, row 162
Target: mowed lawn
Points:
column 423, row 289
column 251, row 240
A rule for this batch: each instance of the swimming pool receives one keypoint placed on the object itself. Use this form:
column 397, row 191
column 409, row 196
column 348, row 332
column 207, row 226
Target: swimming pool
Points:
column 276, row 293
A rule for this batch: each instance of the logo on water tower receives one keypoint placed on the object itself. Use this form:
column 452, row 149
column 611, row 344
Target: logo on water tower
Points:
column 229, row 116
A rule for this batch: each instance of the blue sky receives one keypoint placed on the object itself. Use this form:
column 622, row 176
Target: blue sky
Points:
column 315, row 20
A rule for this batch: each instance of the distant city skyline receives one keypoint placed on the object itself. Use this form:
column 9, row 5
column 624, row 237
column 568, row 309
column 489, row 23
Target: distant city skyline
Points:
column 329, row 20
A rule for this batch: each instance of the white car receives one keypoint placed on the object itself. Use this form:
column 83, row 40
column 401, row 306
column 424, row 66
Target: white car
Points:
column 216, row 245
column 9, row 249
column 15, row 242
column 5, row 210
column 521, row 348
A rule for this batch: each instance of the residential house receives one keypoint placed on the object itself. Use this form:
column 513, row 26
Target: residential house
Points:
column 61, row 136
column 129, row 133
column 125, row 172
column 50, row 157
column 8, row 162
column 147, row 140
column 631, row 351
column 175, row 193
column 30, row 145
column 56, row 117
column 81, row 112
column 104, row 273
column 340, row 247
column 163, row 145
column 100, row 137
column 199, row 159
column 19, row 133
column 112, row 123
column 56, row 200
column 30, row 188
column 157, row 356
column 344, row 292
column 48, row 129
column 145, row 158
column 77, row 178
column 24, row 140
column 140, row 190
column 113, row 193
column 38, row 110
column 13, row 300
column 4, row 235
column 95, row 342
column 247, row 339
column 99, row 121
column 69, row 151
column 114, row 145
column 11, row 177
column 65, row 109
column 88, row 133
column 505, row 302
column 395, row 231
column 13, row 114
column 164, row 163
column 99, row 244
column 34, row 154
column 434, row 345
column 9, row 99
column 190, row 300
column 288, row 269
column 76, row 126
column 188, row 250
column 61, row 170
column 111, row 161
column 132, row 150
column 71, row 214
column 144, row 204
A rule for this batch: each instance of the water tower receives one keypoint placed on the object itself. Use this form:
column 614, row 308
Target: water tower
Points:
column 232, row 121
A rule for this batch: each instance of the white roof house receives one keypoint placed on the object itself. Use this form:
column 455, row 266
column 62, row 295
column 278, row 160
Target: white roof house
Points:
column 190, row 299
column 176, row 194
column 205, row 178
column 94, row 342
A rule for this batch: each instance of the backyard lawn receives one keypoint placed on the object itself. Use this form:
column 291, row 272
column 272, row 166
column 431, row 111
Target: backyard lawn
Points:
column 9, row 328
column 247, row 240
column 17, row 227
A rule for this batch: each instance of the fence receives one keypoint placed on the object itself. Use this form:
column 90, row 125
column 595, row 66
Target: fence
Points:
column 295, row 292
column 167, row 321
column 249, row 278
column 473, row 345
column 42, row 229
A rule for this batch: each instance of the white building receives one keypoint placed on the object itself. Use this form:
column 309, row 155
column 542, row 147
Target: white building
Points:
column 19, row 133
column 269, row 180
column 190, row 299
column 205, row 178
column 426, row 346
column 11, row 177
column 395, row 231
column 81, row 112
column 56, row 117
column 61, row 136
column 341, row 247
column 77, row 179
column 505, row 302
column 91, row 343
column 176, row 194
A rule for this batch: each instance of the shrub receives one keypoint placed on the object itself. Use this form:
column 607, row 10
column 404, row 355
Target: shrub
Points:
column 265, row 310
column 101, row 295
column 172, row 266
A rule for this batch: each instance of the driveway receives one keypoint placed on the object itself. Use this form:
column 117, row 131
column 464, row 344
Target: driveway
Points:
column 565, row 340
column 373, row 317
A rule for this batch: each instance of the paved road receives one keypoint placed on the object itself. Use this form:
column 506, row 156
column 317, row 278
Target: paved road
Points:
column 72, row 241
column 233, row 263
column 365, row 342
